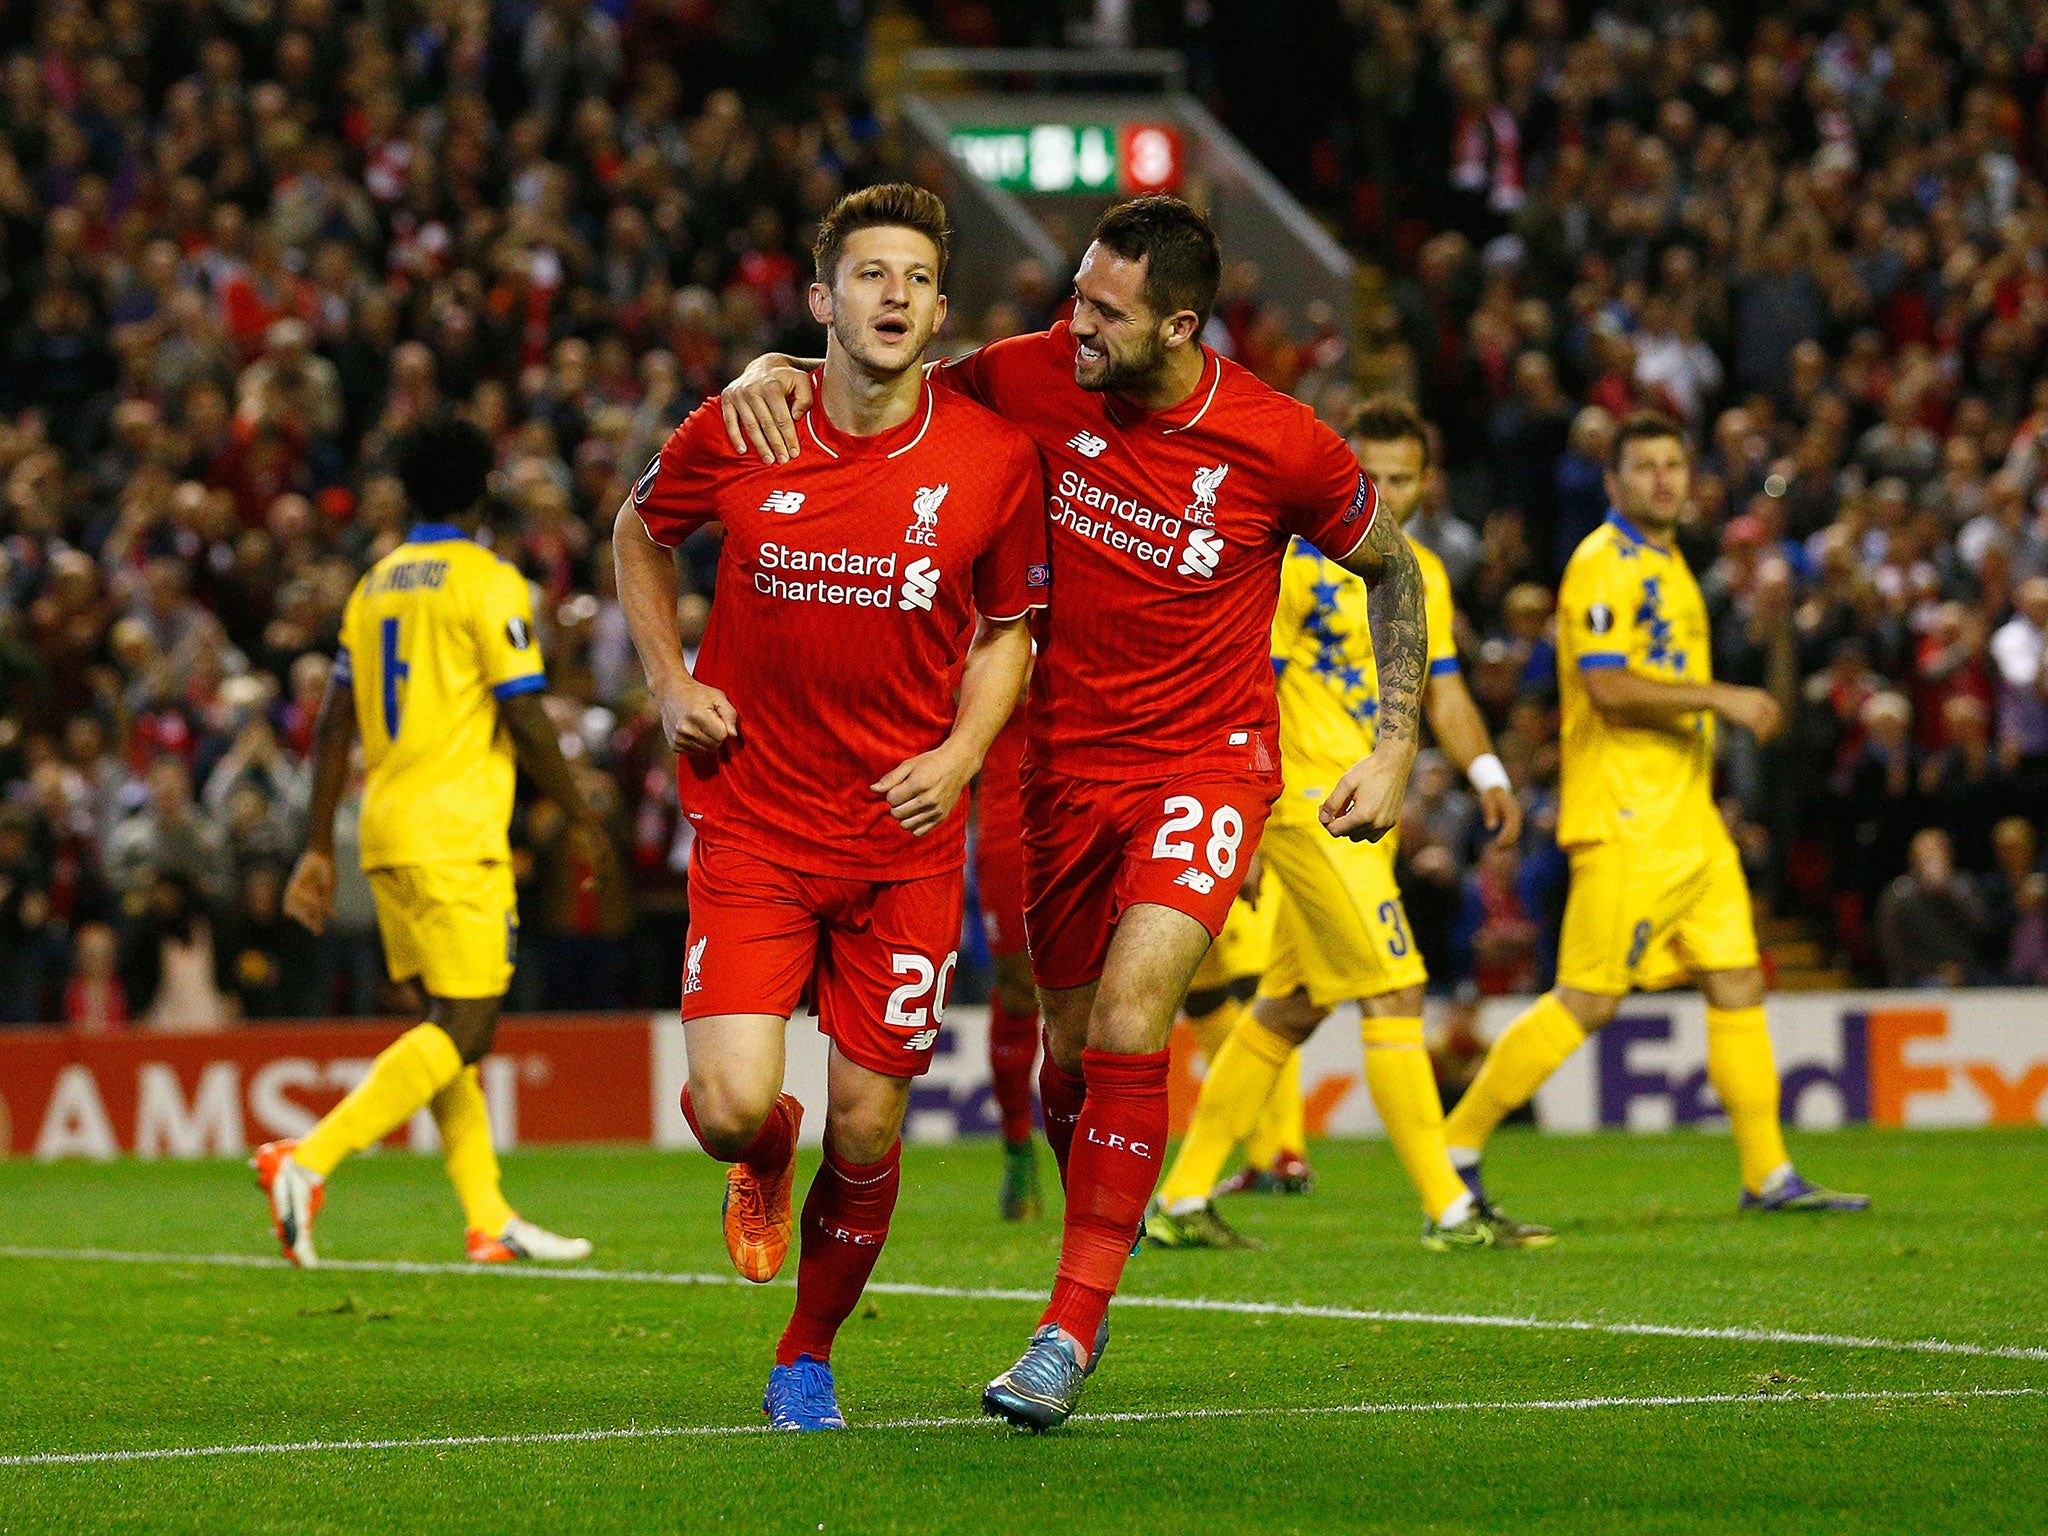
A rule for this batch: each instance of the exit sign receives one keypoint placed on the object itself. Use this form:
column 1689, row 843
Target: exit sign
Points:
column 1072, row 157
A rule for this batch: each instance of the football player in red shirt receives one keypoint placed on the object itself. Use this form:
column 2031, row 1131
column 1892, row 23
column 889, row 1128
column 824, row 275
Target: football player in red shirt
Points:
column 1174, row 480
column 822, row 755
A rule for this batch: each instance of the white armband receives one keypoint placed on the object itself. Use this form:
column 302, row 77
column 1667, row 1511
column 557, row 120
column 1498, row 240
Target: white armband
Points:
column 1486, row 773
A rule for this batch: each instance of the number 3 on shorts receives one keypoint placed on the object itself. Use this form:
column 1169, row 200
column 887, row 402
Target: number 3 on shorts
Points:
column 1226, row 831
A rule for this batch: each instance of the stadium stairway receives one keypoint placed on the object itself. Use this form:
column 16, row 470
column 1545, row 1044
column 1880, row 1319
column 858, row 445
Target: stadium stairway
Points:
column 1796, row 959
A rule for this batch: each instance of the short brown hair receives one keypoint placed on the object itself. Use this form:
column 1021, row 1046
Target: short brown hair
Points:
column 1183, row 263
column 896, row 204
column 1390, row 419
column 1643, row 426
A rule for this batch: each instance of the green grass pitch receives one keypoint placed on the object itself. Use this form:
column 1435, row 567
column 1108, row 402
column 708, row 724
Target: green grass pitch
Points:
column 1201, row 1420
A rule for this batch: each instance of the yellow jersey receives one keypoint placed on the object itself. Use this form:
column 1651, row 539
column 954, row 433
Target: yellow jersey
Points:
column 1325, row 671
column 1626, row 603
column 434, row 635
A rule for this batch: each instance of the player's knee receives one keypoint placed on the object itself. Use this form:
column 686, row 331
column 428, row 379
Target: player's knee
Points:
column 1592, row 1009
column 726, row 1114
column 1017, row 995
column 1126, row 1026
column 472, row 1023
column 1293, row 1018
column 862, row 1133
column 1742, row 988
column 1406, row 1003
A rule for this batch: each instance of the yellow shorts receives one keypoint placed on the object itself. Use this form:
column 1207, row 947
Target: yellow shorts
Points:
column 1241, row 949
column 1649, row 915
column 454, row 926
column 1342, row 932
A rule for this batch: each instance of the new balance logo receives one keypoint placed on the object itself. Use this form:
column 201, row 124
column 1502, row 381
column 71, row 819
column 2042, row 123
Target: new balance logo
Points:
column 1087, row 444
column 920, row 585
column 693, row 966
column 1200, row 557
column 784, row 502
column 921, row 1041
column 1199, row 881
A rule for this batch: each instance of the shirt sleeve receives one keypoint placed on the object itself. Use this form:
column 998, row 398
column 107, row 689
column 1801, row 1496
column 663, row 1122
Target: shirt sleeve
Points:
column 505, row 639
column 676, row 493
column 1324, row 496
column 1012, row 576
column 1594, row 605
column 1439, row 613
column 988, row 374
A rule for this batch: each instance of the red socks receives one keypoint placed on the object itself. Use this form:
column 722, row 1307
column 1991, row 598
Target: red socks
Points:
column 1060, row 1095
column 845, row 1222
column 772, row 1147
column 1119, row 1146
column 1012, row 1048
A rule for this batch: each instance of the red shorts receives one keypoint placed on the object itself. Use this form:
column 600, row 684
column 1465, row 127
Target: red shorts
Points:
column 999, row 841
column 1093, row 848
column 877, row 954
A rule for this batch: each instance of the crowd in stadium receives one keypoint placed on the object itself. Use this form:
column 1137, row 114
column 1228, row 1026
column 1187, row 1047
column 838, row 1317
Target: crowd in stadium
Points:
column 242, row 244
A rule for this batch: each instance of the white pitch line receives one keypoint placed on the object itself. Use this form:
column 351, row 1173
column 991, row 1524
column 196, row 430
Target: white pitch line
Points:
column 1124, row 1300
column 1166, row 1415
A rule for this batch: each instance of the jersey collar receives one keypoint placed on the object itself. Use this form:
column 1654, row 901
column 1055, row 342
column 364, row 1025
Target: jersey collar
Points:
column 433, row 533
column 895, row 442
column 1175, row 418
column 1631, row 532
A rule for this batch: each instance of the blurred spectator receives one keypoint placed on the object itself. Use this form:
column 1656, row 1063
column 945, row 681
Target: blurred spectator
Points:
column 2016, row 906
column 169, row 836
column 2020, row 649
column 27, row 934
column 1494, row 939
column 272, row 964
column 95, row 1003
column 171, row 972
column 1931, row 921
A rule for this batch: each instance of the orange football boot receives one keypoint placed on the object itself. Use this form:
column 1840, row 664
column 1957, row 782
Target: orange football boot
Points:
column 758, row 1220
column 295, row 1198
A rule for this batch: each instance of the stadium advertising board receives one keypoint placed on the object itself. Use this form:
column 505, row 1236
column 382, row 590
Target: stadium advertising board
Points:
column 1882, row 1058
column 61, row 1095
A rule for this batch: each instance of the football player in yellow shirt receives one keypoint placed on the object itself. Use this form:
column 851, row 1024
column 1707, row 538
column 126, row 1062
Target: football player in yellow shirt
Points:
column 1340, row 929
column 1657, row 890
column 440, row 671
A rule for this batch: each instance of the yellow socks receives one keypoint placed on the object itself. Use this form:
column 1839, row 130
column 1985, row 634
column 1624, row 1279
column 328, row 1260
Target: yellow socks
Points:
column 405, row 1077
column 1280, row 1126
column 1240, row 1080
column 471, row 1159
column 1744, row 1074
column 1403, row 1086
column 1532, row 1048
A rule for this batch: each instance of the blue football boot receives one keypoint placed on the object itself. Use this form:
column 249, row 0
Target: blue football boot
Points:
column 802, row 1396
column 1041, row 1389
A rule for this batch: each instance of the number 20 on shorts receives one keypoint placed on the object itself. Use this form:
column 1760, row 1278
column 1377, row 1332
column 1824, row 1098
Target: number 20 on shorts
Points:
column 1184, row 813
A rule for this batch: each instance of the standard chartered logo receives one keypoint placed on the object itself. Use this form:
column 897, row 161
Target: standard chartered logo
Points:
column 920, row 585
column 1200, row 557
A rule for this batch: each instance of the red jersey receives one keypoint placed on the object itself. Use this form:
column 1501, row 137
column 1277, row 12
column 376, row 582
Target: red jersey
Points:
column 1167, row 530
column 848, row 586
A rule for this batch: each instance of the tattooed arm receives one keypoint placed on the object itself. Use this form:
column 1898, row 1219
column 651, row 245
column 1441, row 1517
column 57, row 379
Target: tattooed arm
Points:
column 1366, row 802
